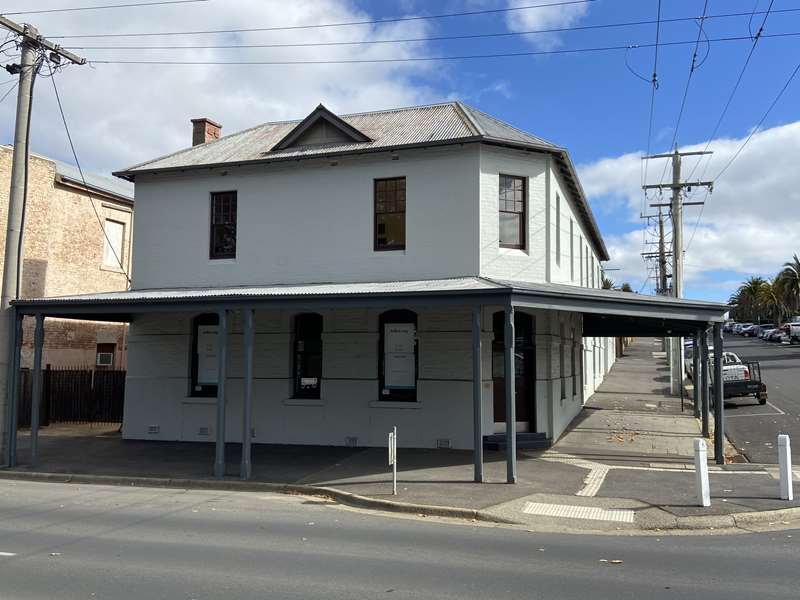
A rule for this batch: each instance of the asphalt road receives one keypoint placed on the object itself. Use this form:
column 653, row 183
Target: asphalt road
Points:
column 754, row 429
column 67, row 541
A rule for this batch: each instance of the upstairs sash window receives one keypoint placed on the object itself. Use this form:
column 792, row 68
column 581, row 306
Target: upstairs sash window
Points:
column 513, row 198
column 223, row 225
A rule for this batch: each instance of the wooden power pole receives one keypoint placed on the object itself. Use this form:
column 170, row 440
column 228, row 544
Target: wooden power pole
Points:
column 34, row 49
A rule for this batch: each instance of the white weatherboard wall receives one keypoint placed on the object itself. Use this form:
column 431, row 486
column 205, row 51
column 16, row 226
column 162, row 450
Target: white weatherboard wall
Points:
column 310, row 222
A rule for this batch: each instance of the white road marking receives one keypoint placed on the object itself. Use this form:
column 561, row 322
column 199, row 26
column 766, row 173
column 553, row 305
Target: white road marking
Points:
column 592, row 513
column 593, row 482
column 8, row 553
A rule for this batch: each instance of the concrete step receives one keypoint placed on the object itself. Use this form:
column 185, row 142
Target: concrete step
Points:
column 525, row 440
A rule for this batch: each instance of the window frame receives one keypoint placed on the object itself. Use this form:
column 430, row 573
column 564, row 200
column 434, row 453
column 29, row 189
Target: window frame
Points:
column 212, row 255
column 571, row 249
column 297, row 391
column 558, row 229
column 523, row 225
column 206, row 391
column 117, row 260
column 388, row 247
column 562, row 366
column 397, row 395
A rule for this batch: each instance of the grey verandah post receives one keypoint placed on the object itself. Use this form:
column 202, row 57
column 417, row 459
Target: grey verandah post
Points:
column 704, row 381
column 719, row 398
column 13, row 387
column 696, row 375
column 247, row 410
column 477, row 401
column 511, row 414
column 36, row 396
column 222, row 351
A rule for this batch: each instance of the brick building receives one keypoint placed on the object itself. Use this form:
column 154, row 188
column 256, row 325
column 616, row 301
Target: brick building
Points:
column 75, row 238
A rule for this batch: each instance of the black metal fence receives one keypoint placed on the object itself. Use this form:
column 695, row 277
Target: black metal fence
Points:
column 74, row 396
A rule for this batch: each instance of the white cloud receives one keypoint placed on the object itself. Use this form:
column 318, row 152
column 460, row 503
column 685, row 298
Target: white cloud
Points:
column 750, row 223
column 548, row 17
column 123, row 114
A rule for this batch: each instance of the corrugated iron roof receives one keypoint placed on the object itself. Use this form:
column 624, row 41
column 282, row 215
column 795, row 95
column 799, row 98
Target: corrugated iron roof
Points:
column 452, row 286
column 103, row 183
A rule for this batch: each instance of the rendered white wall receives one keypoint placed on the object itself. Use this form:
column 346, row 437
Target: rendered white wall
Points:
column 310, row 222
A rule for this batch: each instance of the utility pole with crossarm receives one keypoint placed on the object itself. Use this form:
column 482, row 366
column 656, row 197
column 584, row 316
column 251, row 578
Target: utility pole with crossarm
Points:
column 34, row 49
column 676, row 212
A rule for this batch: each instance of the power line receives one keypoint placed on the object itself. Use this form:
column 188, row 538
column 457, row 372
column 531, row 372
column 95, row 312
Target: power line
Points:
column 424, row 39
column 431, row 58
column 692, row 68
column 135, row 4
column 760, row 122
column 83, row 179
column 340, row 24
column 11, row 89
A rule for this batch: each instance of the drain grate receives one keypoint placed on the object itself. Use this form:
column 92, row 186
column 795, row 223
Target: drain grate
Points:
column 592, row 513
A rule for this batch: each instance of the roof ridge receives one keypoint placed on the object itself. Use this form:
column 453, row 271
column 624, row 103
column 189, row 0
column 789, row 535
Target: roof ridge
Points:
column 507, row 124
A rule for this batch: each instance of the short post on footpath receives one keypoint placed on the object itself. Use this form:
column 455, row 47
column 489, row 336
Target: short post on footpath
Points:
column 393, row 458
column 701, row 473
column 785, row 467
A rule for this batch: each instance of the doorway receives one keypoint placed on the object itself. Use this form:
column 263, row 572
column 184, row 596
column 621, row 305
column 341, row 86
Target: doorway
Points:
column 524, row 370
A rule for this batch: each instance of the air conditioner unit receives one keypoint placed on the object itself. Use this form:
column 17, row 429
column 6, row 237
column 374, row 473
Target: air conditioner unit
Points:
column 105, row 359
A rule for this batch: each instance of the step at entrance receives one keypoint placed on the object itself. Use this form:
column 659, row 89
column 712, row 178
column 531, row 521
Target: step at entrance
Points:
column 525, row 440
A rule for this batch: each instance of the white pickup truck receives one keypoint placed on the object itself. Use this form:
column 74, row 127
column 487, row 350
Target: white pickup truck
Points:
column 794, row 333
column 740, row 379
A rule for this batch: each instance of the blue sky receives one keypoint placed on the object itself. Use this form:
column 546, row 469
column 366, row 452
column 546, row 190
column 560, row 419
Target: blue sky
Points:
column 590, row 102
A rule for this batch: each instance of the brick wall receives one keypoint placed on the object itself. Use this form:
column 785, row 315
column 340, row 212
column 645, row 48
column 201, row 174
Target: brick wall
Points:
column 63, row 254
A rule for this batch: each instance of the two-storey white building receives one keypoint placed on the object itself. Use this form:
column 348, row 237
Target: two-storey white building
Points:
column 321, row 281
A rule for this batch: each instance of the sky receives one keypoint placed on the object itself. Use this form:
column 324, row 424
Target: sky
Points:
column 594, row 103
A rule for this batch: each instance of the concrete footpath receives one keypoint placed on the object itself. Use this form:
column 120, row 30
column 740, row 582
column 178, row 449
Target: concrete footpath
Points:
column 626, row 464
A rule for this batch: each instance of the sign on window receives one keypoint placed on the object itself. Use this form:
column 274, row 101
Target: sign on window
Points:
column 207, row 343
column 399, row 360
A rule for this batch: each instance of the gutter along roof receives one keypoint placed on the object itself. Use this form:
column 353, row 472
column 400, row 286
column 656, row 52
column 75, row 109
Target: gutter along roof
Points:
column 465, row 289
column 378, row 131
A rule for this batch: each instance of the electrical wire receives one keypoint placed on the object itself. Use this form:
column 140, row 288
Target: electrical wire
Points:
column 431, row 58
column 83, row 178
column 503, row 34
column 692, row 68
column 340, row 24
column 79, row 8
column 9, row 90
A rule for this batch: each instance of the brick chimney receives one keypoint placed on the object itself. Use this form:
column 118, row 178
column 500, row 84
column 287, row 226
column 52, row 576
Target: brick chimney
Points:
column 205, row 130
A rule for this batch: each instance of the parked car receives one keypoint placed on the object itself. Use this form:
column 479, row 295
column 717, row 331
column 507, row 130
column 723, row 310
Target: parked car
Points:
column 749, row 330
column 764, row 332
column 779, row 334
column 727, row 326
column 737, row 329
column 793, row 333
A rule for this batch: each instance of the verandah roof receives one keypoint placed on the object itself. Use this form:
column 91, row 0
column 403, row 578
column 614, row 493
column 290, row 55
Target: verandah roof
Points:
column 606, row 312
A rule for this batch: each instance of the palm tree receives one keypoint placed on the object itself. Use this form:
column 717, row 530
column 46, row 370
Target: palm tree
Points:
column 788, row 282
column 771, row 300
column 747, row 299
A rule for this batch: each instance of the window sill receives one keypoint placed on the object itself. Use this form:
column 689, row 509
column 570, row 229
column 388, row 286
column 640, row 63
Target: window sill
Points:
column 222, row 261
column 394, row 404
column 304, row 402
column 389, row 251
column 112, row 269
column 513, row 251
column 200, row 400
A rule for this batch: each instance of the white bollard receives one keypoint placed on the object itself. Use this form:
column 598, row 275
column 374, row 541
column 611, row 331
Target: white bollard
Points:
column 393, row 458
column 785, row 467
column 701, row 473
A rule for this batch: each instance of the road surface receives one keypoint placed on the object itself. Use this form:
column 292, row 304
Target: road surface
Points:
column 754, row 429
column 68, row 542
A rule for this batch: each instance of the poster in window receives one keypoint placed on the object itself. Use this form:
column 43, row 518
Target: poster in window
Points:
column 207, row 336
column 399, row 357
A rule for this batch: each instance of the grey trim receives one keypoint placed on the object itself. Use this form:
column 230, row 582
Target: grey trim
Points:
column 704, row 381
column 511, row 405
column 36, row 394
column 222, row 351
column 719, row 398
column 247, row 409
column 477, row 395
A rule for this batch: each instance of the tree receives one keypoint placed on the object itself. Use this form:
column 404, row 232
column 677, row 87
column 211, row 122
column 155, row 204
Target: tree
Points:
column 625, row 287
column 607, row 284
column 788, row 283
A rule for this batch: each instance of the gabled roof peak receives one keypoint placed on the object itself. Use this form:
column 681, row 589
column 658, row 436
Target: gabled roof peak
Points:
column 320, row 127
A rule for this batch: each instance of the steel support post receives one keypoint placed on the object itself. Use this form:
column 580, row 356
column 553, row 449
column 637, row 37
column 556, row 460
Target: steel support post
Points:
column 477, row 400
column 247, row 409
column 511, row 413
column 719, row 398
column 704, row 381
column 222, row 343
column 696, row 374
column 36, row 395
column 15, row 343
